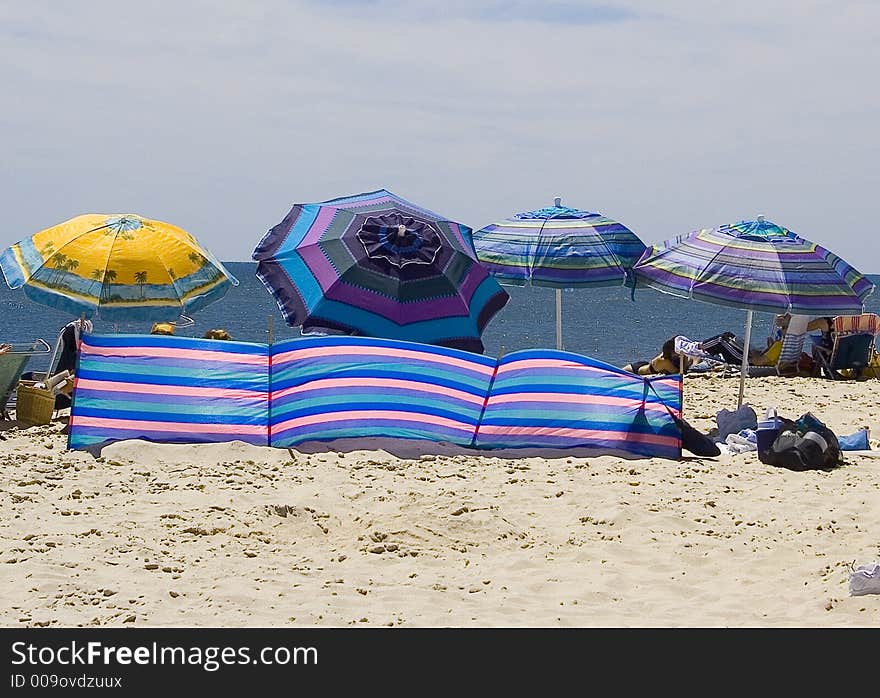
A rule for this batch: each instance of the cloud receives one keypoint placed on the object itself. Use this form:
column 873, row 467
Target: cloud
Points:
column 570, row 12
column 218, row 116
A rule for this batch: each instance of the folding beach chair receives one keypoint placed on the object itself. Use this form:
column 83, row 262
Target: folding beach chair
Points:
column 792, row 346
column 853, row 347
column 12, row 365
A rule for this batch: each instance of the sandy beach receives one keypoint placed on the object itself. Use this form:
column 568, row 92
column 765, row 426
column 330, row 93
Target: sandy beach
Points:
column 367, row 533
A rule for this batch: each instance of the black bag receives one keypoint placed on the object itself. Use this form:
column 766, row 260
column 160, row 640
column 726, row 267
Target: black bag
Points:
column 695, row 442
column 806, row 444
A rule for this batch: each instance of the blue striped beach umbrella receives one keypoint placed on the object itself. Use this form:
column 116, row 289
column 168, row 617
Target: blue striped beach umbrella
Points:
column 756, row 265
column 377, row 265
column 559, row 247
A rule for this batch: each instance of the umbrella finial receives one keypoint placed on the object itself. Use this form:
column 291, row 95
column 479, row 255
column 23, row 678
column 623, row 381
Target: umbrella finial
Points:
column 401, row 230
column 760, row 218
column 557, row 201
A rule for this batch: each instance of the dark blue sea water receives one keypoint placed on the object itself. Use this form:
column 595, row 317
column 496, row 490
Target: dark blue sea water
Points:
column 602, row 323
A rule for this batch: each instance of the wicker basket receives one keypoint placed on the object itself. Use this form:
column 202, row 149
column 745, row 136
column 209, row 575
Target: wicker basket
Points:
column 34, row 406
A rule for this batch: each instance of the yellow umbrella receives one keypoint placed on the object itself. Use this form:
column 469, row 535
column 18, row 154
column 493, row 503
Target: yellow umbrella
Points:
column 122, row 267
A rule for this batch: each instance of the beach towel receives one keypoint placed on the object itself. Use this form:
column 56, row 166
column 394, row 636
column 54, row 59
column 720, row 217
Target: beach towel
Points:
column 690, row 347
column 743, row 442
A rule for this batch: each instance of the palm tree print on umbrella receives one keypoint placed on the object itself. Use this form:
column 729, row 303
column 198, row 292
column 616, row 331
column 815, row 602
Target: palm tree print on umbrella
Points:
column 97, row 276
column 58, row 263
column 140, row 278
column 109, row 275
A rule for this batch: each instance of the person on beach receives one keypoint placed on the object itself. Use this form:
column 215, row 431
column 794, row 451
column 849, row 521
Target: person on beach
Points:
column 217, row 334
column 5, row 348
column 666, row 362
column 728, row 348
column 825, row 328
column 162, row 328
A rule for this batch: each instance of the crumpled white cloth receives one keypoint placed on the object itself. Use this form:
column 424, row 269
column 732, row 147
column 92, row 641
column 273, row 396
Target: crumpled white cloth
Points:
column 743, row 442
column 683, row 345
column 865, row 579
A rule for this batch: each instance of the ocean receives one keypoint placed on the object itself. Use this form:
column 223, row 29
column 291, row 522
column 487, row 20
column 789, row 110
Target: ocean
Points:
column 603, row 323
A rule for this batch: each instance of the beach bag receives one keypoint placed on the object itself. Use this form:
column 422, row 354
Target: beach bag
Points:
column 694, row 441
column 805, row 444
column 734, row 421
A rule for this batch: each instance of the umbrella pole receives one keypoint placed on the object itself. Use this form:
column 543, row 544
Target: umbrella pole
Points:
column 682, row 369
column 745, row 362
column 269, row 330
column 559, row 319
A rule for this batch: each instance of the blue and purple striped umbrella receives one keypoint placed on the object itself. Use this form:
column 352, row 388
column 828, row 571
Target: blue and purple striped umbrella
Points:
column 379, row 266
column 756, row 265
column 559, row 247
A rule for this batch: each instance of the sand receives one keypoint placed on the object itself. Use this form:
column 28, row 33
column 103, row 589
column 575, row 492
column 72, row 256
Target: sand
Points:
column 231, row 535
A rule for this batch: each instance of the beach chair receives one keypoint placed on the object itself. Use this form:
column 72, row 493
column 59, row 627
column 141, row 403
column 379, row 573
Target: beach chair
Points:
column 788, row 363
column 12, row 364
column 853, row 348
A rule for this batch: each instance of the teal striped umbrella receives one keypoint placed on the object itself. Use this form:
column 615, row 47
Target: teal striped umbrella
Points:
column 559, row 247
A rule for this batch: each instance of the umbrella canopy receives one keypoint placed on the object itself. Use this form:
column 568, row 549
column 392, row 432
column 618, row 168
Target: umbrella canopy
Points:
column 377, row 265
column 120, row 267
column 757, row 265
column 559, row 247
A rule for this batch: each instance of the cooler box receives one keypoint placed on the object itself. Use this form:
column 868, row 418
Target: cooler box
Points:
column 768, row 430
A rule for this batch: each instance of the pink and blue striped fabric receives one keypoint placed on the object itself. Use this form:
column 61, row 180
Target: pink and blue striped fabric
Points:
column 334, row 387
column 184, row 390
column 562, row 400
column 169, row 389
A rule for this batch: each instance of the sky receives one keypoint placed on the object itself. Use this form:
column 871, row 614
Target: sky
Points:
column 668, row 115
